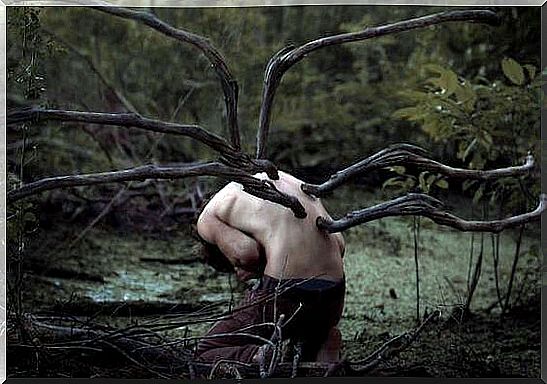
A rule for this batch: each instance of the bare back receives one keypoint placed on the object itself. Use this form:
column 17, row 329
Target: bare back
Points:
column 294, row 248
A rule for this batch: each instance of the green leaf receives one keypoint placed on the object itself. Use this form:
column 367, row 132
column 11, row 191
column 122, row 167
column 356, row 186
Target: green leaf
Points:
column 429, row 180
column 409, row 113
column 467, row 96
column 485, row 138
column 493, row 198
column 531, row 70
column 442, row 184
column 513, row 71
column 434, row 128
column 396, row 183
column 478, row 194
column 413, row 95
column 398, row 169
column 393, row 182
column 447, row 81
column 467, row 150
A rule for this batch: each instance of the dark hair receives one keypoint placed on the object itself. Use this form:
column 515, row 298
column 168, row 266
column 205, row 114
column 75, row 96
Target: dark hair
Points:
column 211, row 254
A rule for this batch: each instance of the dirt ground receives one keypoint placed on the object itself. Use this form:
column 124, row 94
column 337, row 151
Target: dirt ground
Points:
column 116, row 266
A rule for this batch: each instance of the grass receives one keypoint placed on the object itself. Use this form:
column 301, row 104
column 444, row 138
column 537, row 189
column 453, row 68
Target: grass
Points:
column 379, row 259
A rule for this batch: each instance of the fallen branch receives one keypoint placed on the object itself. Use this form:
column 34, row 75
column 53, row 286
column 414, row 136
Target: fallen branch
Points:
column 424, row 205
column 160, row 359
column 283, row 60
column 392, row 347
column 404, row 154
column 164, row 360
column 85, row 307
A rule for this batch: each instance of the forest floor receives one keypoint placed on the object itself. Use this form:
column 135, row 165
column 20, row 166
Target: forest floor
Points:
column 117, row 266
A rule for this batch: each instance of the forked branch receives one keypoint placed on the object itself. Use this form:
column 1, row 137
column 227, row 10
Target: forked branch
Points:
column 283, row 60
column 424, row 205
column 259, row 188
column 218, row 62
column 36, row 114
column 405, row 154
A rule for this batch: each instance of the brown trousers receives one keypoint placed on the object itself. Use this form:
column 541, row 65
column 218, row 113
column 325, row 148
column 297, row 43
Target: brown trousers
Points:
column 322, row 302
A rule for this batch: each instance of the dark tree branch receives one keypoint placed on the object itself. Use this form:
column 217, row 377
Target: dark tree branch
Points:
column 424, row 205
column 36, row 114
column 142, row 348
column 230, row 155
column 289, row 56
column 259, row 188
column 401, row 154
column 218, row 62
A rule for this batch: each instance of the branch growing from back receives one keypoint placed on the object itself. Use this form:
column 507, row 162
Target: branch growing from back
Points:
column 403, row 154
column 259, row 188
column 424, row 205
column 283, row 60
column 229, row 153
column 218, row 62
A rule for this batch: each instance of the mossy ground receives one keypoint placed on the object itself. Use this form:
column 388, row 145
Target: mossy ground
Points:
column 381, row 289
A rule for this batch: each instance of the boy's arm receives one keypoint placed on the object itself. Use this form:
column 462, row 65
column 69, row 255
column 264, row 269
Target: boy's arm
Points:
column 341, row 243
column 241, row 249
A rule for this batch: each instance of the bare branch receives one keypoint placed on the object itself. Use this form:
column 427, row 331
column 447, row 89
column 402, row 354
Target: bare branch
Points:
column 402, row 154
column 289, row 56
column 230, row 155
column 424, row 205
column 228, row 82
column 259, row 188
column 159, row 356
column 36, row 114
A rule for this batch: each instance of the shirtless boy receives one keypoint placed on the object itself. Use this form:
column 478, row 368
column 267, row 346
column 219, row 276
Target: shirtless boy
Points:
column 300, row 270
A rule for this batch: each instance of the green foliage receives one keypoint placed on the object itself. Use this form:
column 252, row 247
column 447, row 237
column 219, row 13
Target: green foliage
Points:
column 488, row 123
column 514, row 70
column 425, row 182
column 427, row 86
column 26, row 82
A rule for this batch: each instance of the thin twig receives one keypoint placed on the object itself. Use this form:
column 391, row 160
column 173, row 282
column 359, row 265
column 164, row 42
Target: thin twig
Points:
column 416, row 230
column 513, row 269
column 496, row 258
column 392, row 347
column 228, row 362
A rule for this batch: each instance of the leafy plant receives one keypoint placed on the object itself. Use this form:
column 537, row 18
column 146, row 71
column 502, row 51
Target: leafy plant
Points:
column 487, row 123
